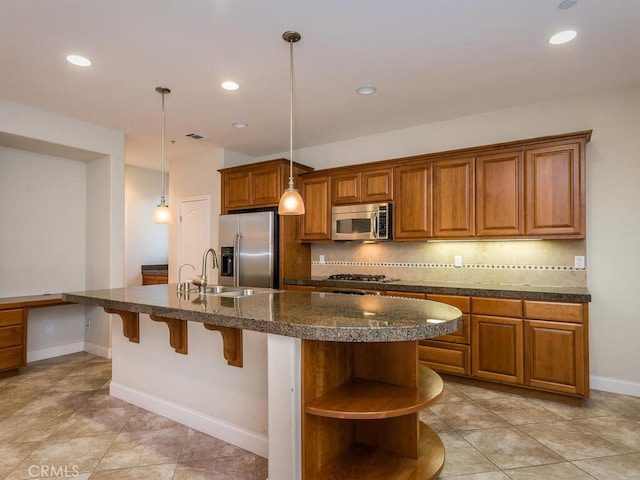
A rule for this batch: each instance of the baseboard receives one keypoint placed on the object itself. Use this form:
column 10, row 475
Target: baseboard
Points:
column 615, row 385
column 238, row 436
column 97, row 350
column 57, row 351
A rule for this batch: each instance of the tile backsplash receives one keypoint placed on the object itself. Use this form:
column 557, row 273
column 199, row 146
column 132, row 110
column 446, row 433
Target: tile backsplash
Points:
column 519, row 262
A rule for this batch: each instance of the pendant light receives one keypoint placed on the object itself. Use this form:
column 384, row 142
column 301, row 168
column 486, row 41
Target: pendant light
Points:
column 291, row 202
column 162, row 213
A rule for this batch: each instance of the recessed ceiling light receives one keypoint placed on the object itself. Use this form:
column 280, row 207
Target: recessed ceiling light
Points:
column 239, row 125
column 230, row 85
column 563, row 37
column 366, row 90
column 79, row 60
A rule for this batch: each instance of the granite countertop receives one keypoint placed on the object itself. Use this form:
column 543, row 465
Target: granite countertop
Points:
column 308, row 315
column 162, row 269
column 527, row 292
column 32, row 301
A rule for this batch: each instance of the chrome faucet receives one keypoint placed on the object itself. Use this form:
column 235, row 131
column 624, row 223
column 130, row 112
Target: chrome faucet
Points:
column 183, row 287
column 201, row 280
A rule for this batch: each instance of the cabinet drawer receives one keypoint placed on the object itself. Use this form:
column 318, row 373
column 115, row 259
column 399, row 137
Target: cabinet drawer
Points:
column 463, row 303
column 462, row 334
column 445, row 357
column 11, row 317
column 11, row 357
column 496, row 306
column 11, row 336
column 560, row 312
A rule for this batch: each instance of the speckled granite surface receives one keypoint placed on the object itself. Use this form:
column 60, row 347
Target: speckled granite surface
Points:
column 308, row 315
column 527, row 292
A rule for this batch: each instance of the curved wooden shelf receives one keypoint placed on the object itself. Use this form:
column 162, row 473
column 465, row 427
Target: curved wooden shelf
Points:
column 364, row 399
column 366, row 462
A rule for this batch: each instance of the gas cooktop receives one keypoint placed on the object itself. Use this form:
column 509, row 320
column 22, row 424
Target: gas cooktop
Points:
column 361, row 277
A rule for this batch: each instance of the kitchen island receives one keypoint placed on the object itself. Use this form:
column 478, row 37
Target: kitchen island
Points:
column 344, row 385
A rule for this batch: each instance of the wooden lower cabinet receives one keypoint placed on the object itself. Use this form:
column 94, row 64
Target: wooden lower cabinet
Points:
column 497, row 347
column 360, row 406
column 154, row 279
column 554, row 356
column 446, row 357
column 12, row 339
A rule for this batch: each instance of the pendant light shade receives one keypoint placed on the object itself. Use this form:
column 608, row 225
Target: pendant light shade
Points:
column 291, row 202
column 162, row 213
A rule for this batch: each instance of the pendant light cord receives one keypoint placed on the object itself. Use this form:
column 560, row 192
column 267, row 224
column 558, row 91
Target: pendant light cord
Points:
column 291, row 97
column 162, row 199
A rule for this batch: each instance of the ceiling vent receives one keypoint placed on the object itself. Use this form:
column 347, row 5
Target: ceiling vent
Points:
column 195, row 136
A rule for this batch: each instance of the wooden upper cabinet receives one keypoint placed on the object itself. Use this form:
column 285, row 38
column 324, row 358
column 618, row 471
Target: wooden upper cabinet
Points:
column 345, row 188
column 315, row 224
column 453, row 189
column 236, row 188
column 500, row 195
column 362, row 186
column 412, row 216
column 266, row 185
column 555, row 190
column 256, row 185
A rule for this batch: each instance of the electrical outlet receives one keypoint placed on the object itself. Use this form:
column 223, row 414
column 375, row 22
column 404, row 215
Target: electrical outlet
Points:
column 48, row 328
column 457, row 261
column 321, row 259
column 87, row 323
column 579, row 262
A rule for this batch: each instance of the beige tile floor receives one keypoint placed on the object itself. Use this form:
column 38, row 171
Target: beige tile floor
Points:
column 57, row 420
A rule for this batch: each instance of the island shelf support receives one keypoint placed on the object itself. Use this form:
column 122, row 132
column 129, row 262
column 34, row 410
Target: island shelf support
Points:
column 177, row 332
column 130, row 323
column 231, row 343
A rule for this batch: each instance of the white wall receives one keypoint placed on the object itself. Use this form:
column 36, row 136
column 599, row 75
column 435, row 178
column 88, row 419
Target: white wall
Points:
column 196, row 381
column 613, row 196
column 97, row 225
column 147, row 243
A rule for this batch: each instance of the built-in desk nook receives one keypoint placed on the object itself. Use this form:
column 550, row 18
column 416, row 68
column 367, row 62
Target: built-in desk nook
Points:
column 14, row 313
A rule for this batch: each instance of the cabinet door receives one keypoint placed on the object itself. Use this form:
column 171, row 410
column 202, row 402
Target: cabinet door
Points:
column 555, row 186
column 345, row 188
column 377, row 185
column 412, row 218
column 500, row 195
column 554, row 356
column 453, row 198
column 497, row 347
column 266, row 186
column 316, row 222
column 237, row 189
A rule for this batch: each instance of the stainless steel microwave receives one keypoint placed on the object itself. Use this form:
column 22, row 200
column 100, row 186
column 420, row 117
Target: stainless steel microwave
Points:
column 365, row 222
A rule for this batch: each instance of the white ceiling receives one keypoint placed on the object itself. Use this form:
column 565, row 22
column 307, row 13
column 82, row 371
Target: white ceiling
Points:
column 430, row 60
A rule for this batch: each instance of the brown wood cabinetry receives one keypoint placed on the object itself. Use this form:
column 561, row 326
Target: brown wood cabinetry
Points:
column 412, row 206
column 453, row 190
column 525, row 189
column 154, row 279
column 12, row 339
column 555, row 190
column 497, row 341
column 500, row 195
column 556, row 347
column 315, row 224
column 362, row 186
column 256, row 185
column 450, row 353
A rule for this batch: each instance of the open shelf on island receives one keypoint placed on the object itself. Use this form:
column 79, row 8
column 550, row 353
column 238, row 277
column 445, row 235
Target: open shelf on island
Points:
column 360, row 405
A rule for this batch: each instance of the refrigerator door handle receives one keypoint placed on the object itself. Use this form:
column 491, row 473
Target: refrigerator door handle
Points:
column 236, row 260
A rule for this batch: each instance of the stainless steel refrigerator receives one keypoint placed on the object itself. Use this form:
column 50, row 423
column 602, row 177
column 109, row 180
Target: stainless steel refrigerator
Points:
column 248, row 249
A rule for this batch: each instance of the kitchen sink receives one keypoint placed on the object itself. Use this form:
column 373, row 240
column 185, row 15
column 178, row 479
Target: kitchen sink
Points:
column 224, row 291
column 216, row 289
